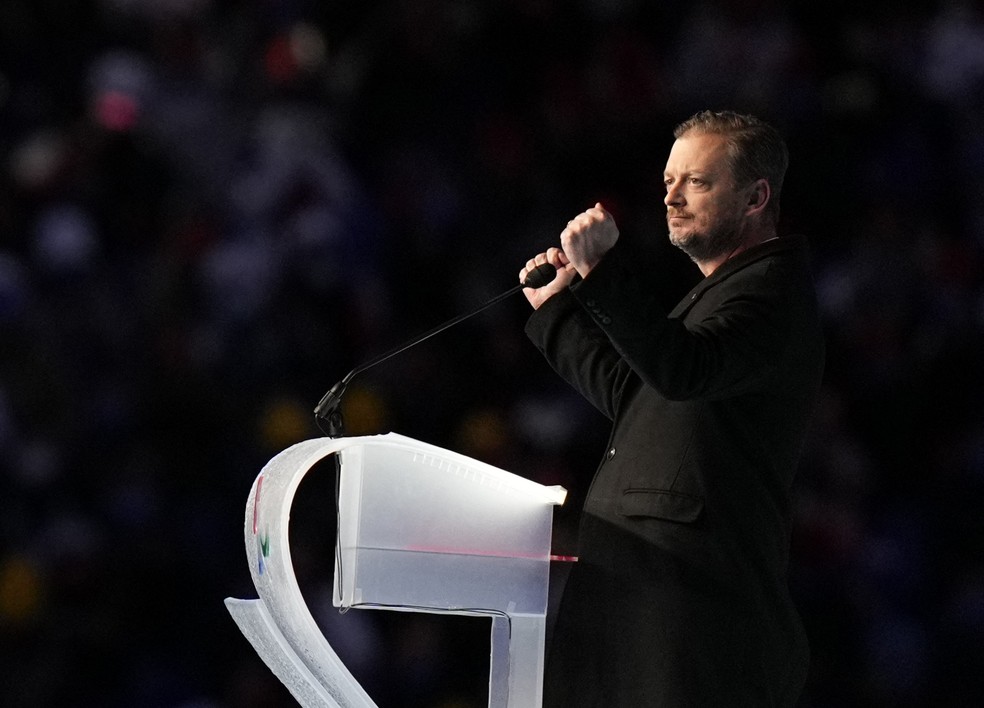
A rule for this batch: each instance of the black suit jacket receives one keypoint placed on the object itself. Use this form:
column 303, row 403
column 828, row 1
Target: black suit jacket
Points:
column 680, row 595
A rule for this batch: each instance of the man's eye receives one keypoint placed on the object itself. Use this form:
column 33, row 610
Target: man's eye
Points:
column 696, row 180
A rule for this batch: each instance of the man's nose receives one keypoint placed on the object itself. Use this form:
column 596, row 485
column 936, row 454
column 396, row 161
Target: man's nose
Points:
column 673, row 197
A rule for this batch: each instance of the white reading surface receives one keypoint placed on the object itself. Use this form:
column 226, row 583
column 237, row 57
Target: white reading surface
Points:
column 421, row 529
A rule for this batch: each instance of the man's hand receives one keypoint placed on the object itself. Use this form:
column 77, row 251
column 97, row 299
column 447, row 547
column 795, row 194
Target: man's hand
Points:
column 588, row 237
column 565, row 273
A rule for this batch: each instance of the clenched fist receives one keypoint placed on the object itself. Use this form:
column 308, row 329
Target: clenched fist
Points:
column 565, row 273
column 588, row 237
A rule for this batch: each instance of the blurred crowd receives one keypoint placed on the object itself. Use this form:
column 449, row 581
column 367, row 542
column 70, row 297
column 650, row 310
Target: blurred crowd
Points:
column 211, row 210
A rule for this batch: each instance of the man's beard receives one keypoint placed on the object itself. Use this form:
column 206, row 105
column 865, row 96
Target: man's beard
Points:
column 704, row 246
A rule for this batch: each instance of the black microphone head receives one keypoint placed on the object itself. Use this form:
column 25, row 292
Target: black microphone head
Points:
column 540, row 276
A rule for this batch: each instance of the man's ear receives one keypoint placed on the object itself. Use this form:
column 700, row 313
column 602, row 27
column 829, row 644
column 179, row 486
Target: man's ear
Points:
column 759, row 194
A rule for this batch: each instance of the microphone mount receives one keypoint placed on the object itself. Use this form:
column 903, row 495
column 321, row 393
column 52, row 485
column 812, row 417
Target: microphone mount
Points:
column 328, row 412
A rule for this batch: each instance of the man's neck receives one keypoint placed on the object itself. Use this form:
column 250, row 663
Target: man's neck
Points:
column 709, row 266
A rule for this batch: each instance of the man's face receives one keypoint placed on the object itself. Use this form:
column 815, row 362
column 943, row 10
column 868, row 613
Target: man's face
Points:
column 704, row 209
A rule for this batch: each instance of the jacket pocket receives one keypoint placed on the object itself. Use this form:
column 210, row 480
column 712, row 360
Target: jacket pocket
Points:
column 660, row 504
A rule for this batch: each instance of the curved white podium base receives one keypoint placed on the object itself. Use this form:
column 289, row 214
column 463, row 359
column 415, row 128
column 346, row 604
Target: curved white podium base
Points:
column 334, row 688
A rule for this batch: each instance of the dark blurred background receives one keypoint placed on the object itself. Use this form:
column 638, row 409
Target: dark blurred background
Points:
column 211, row 210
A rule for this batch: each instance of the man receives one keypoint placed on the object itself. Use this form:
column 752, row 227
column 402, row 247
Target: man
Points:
column 680, row 596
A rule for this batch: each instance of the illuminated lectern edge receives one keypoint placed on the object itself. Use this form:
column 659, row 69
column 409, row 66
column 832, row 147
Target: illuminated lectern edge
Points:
column 289, row 635
column 444, row 459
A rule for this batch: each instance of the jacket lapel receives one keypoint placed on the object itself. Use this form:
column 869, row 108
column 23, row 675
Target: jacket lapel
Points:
column 729, row 268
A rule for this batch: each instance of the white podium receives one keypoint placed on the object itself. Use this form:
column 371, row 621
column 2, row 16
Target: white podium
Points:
column 420, row 529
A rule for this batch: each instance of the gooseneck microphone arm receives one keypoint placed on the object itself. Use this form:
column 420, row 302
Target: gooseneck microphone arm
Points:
column 328, row 413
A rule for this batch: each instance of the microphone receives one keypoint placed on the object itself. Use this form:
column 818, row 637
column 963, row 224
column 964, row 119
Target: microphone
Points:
column 328, row 413
column 536, row 278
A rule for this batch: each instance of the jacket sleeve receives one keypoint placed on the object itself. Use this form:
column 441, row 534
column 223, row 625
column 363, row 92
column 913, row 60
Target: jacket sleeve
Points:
column 578, row 350
column 731, row 344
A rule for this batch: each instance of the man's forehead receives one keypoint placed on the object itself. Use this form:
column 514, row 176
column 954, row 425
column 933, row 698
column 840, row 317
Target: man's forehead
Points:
column 698, row 152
